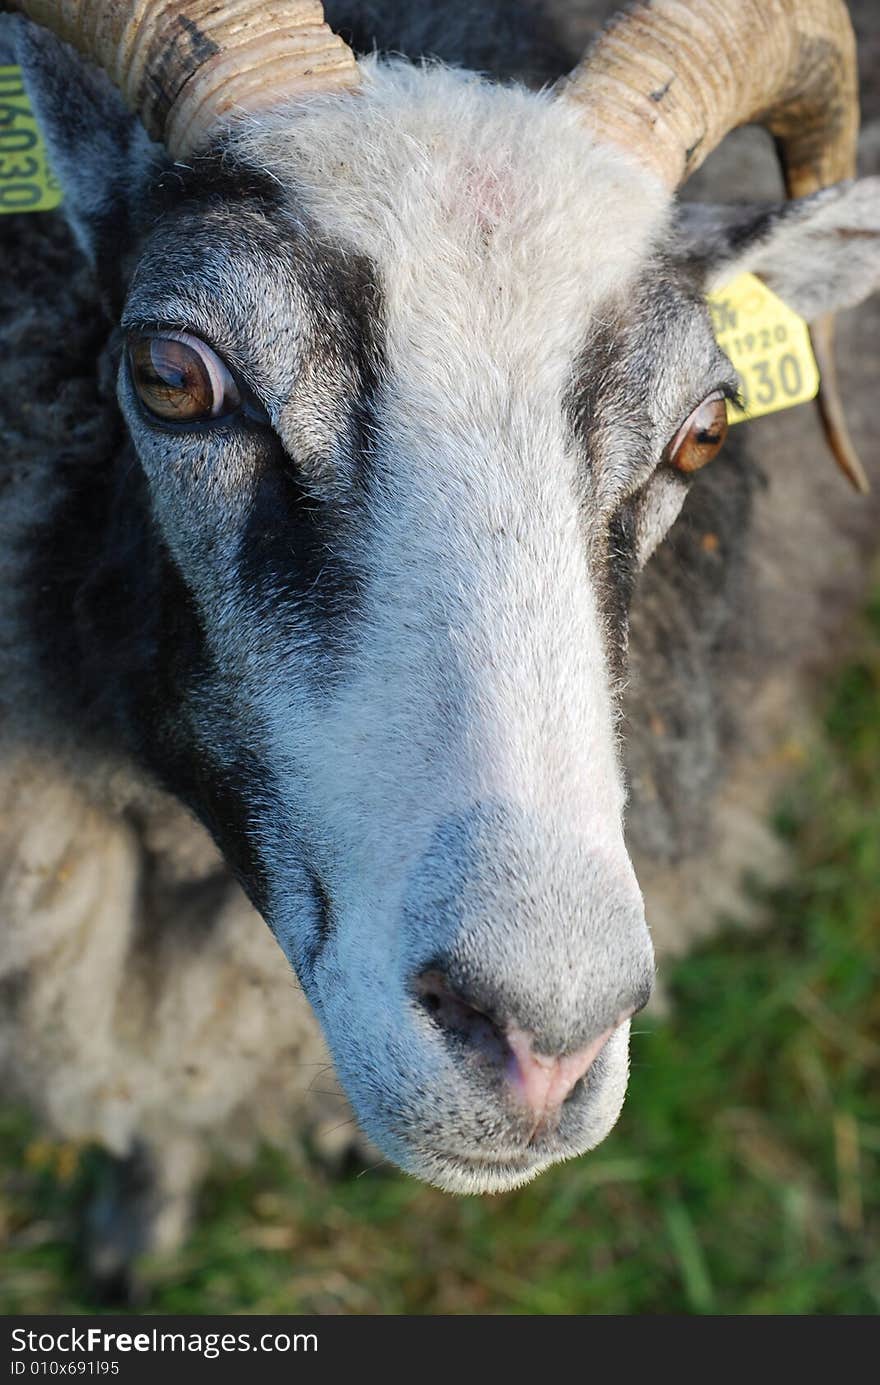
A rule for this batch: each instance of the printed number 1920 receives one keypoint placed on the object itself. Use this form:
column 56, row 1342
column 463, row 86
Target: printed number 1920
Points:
column 761, row 339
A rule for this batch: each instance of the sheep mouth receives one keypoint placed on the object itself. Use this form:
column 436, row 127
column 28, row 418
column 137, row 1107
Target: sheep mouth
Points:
column 468, row 1173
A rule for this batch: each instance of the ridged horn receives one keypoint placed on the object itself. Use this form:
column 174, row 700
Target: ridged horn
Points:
column 667, row 80
column 185, row 67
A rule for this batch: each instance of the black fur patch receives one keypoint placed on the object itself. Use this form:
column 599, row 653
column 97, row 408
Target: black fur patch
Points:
column 621, row 574
column 123, row 651
column 288, row 560
column 504, row 38
column 208, row 180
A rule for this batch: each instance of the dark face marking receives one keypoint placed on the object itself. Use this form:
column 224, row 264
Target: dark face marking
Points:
column 136, row 657
column 209, row 180
column 622, row 411
column 123, row 652
column 621, row 574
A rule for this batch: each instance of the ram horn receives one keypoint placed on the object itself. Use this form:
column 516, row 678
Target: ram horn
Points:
column 669, row 79
column 186, row 67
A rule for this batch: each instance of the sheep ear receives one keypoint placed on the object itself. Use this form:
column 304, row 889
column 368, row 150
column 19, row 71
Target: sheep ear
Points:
column 100, row 154
column 819, row 254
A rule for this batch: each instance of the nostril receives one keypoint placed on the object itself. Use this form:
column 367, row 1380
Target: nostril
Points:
column 459, row 1021
column 534, row 1078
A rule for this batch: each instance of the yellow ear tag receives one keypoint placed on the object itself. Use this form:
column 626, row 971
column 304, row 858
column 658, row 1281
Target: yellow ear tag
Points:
column 27, row 184
column 767, row 344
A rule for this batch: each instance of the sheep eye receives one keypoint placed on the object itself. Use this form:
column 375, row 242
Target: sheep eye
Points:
column 179, row 379
column 701, row 436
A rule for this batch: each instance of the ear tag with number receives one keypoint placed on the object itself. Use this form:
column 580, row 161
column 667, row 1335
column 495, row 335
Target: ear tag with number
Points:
column 27, row 184
column 767, row 344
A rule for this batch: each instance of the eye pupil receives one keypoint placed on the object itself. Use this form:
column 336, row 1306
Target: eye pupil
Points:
column 173, row 369
column 179, row 379
column 701, row 436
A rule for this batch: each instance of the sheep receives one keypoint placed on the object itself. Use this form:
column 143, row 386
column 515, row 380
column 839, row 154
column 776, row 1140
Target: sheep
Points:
column 330, row 467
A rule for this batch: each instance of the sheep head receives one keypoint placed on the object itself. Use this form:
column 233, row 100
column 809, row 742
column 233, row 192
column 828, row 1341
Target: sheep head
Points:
column 417, row 372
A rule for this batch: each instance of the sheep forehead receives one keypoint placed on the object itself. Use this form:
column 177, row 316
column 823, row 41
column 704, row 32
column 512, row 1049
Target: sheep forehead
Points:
column 488, row 210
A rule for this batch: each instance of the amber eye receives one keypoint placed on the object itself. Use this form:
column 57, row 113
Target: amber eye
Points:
column 701, row 436
column 180, row 379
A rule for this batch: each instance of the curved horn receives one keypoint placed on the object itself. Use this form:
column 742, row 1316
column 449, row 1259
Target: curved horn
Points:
column 184, row 67
column 669, row 79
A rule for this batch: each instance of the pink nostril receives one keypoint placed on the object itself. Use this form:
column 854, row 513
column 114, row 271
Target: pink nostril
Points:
column 541, row 1084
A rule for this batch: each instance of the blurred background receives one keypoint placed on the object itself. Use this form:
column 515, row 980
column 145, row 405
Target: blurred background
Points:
column 744, row 1176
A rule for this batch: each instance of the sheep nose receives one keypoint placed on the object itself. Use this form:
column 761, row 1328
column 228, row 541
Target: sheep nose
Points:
column 538, row 1083
column 541, row 1084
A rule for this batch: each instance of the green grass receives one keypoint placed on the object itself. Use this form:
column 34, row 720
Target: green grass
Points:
column 743, row 1176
